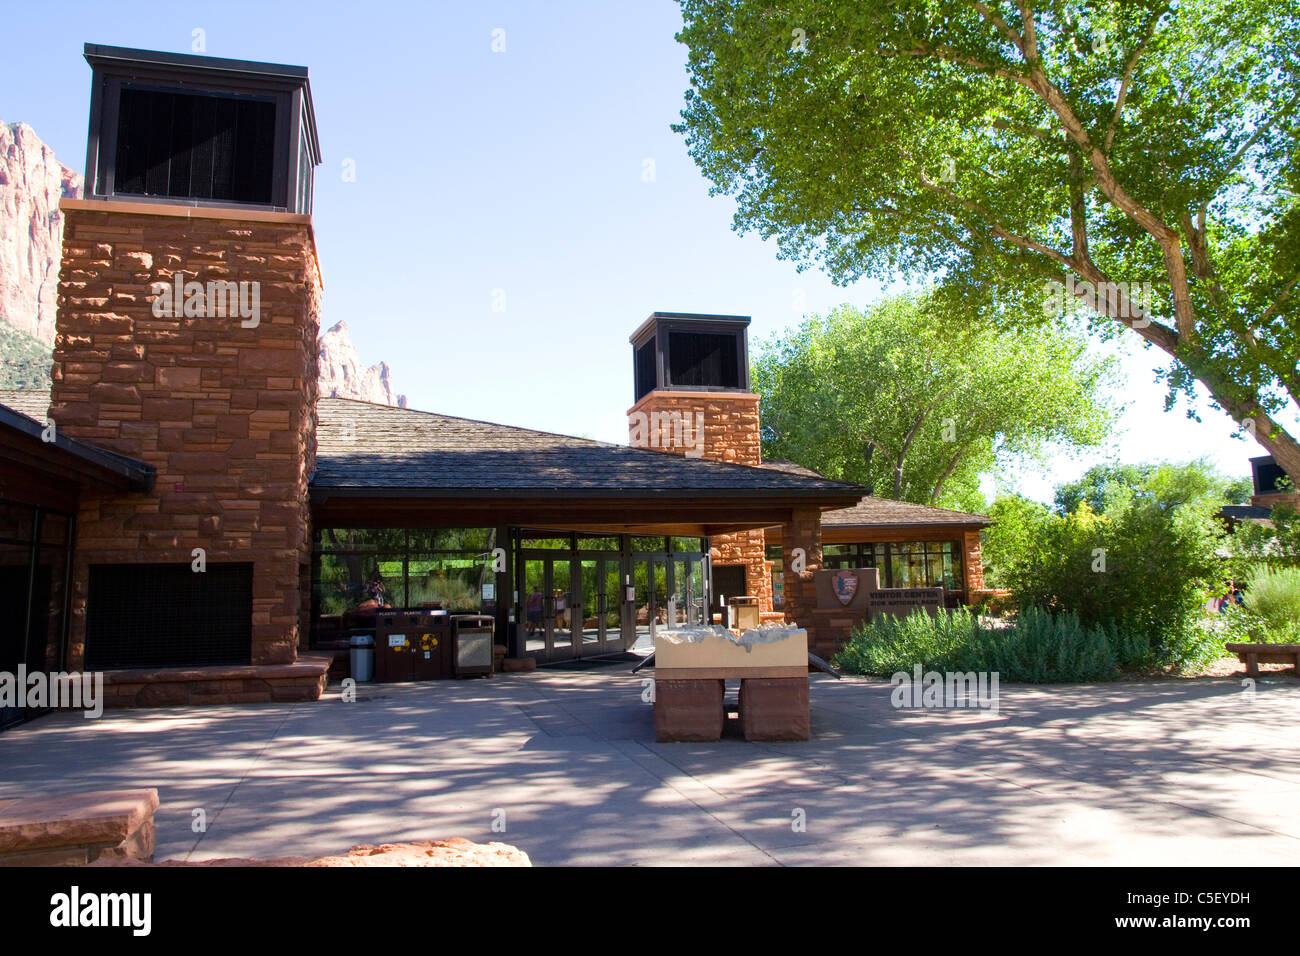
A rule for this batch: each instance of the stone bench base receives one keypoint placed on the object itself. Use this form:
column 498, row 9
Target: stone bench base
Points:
column 79, row 828
column 689, row 710
column 1252, row 655
column 304, row 679
column 775, row 708
column 693, row 709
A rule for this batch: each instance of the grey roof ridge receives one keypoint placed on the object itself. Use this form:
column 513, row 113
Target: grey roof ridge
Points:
column 847, row 486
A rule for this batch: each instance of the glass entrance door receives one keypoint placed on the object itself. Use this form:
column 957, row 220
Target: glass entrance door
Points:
column 650, row 604
column 601, row 630
column 548, row 604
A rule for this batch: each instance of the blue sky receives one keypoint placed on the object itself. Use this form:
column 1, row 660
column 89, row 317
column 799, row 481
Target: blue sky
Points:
column 522, row 173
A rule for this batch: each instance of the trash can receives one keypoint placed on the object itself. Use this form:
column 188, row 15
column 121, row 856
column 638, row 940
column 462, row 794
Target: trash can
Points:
column 472, row 640
column 361, row 649
column 743, row 612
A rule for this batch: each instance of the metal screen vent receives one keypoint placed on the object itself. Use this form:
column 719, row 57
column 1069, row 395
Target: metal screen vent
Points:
column 167, row 615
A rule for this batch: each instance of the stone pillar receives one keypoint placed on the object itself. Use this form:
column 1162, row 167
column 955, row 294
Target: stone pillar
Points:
column 225, row 412
column 721, row 426
column 804, row 530
column 972, row 556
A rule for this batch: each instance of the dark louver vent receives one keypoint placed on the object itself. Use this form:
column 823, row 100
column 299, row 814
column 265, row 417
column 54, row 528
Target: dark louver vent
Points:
column 195, row 147
column 704, row 360
column 168, row 615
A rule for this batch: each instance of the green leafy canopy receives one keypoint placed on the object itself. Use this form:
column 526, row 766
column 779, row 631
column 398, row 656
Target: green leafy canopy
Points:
column 1147, row 148
column 915, row 403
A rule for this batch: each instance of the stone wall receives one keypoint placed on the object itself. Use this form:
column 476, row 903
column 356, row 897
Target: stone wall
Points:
column 728, row 431
column 972, row 556
column 225, row 413
column 800, row 588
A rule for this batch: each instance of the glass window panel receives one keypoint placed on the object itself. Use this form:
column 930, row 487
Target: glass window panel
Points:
column 455, row 581
column 607, row 542
column 477, row 540
column 554, row 544
column 590, row 606
column 535, row 604
column 613, row 600
column 697, row 595
column 934, row 571
column 687, row 545
column 363, row 539
column 350, row 580
column 561, row 605
column 643, row 543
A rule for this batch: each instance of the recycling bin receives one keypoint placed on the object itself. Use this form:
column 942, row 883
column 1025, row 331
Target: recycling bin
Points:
column 361, row 650
column 412, row 644
column 431, row 646
column 472, row 639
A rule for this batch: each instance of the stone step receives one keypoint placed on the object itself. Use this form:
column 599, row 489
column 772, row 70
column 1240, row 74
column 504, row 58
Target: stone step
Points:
column 77, row 828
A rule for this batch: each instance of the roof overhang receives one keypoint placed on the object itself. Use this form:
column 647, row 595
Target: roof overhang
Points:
column 633, row 512
column 22, row 443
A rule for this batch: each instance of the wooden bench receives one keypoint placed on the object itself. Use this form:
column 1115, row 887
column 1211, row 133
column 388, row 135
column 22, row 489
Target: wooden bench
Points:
column 1252, row 655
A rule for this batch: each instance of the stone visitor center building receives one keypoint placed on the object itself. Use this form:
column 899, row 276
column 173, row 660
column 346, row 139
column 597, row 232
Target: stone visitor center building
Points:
column 184, row 513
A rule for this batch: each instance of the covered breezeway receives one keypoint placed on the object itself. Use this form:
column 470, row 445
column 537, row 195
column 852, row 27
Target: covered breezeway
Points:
column 576, row 547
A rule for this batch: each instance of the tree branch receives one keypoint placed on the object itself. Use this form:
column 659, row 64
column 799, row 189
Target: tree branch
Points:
column 952, row 466
column 1277, row 303
column 1260, row 129
column 996, row 227
column 1030, row 47
column 1003, row 27
column 1128, row 76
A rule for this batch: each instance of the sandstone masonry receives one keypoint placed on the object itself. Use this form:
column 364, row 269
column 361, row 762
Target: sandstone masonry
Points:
column 730, row 433
column 226, row 414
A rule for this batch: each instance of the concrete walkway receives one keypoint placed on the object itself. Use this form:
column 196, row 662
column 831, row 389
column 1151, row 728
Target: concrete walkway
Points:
column 1173, row 772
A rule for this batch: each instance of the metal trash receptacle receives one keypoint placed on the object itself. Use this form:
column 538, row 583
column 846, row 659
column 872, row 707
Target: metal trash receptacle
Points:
column 361, row 653
column 472, row 643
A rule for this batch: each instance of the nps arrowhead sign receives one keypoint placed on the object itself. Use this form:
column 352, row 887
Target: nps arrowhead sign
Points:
column 845, row 584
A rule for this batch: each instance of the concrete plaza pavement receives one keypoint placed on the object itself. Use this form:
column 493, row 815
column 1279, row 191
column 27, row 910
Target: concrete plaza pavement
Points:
column 1146, row 773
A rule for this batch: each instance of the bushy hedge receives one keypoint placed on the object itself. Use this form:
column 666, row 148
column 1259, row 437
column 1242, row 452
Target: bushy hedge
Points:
column 1271, row 613
column 1143, row 567
column 1034, row 647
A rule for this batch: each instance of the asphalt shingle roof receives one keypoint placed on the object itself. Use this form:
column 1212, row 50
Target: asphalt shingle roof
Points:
column 26, row 412
column 882, row 512
column 34, row 403
column 362, row 446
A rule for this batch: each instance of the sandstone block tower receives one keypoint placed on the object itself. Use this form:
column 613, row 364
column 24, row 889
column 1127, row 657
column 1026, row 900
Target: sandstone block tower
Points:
column 692, row 398
column 189, row 303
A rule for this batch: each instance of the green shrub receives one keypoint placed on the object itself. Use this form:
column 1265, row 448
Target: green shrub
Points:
column 1037, row 647
column 1141, row 568
column 890, row 644
column 1199, row 642
column 1271, row 614
column 1041, row 647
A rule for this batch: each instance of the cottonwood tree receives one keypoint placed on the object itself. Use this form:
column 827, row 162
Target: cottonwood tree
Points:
column 915, row 406
column 1008, row 146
